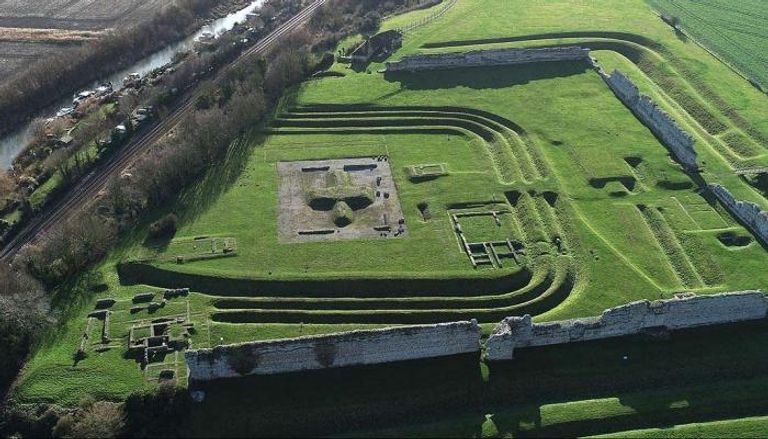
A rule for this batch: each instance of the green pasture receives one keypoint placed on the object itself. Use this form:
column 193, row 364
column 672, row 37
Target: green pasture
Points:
column 733, row 30
column 750, row 427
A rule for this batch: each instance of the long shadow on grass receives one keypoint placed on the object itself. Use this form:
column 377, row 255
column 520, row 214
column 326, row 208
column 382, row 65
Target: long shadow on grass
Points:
column 639, row 39
column 221, row 176
column 486, row 77
column 689, row 377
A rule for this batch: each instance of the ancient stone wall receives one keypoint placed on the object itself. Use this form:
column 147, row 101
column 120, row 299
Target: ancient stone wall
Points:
column 749, row 213
column 335, row 350
column 679, row 142
column 684, row 311
column 496, row 57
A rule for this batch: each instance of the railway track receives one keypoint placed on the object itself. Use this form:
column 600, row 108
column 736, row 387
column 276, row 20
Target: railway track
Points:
column 84, row 192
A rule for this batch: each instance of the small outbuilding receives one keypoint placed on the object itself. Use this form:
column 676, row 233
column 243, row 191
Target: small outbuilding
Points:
column 378, row 46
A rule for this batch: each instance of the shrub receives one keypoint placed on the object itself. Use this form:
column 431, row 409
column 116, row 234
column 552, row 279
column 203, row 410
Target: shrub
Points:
column 160, row 412
column 165, row 227
column 101, row 420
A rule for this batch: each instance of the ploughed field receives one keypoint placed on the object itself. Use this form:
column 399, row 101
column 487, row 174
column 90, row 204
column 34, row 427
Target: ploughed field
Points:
column 75, row 15
column 16, row 55
column 20, row 22
column 733, row 30
column 519, row 189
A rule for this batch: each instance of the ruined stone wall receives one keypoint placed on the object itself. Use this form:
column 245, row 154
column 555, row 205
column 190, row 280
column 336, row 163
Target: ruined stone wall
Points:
column 749, row 213
column 683, row 311
column 679, row 142
column 334, row 350
column 496, row 57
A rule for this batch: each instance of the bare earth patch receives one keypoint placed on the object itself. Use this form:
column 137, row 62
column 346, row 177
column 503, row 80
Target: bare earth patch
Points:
column 47, row 35
column 322, row 200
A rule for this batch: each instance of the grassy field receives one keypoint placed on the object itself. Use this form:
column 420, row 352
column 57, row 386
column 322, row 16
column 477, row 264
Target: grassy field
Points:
column 602, row 212
column 743, row 428
column 733, row 30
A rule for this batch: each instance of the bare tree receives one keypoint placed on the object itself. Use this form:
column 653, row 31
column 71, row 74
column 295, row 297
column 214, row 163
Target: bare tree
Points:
column 58, row 161
column 126, row 104
column 38, row 129
column 7, row 189
column 57, row 127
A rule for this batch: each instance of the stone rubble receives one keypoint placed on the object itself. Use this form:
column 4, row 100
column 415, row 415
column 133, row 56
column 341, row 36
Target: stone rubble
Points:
column 683, row 311
column 495, row 57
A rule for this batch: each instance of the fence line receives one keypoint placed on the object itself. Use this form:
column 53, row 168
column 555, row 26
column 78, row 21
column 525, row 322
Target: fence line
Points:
column 431, row 17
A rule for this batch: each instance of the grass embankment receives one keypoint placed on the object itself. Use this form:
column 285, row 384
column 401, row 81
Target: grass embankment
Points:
column 750, row 427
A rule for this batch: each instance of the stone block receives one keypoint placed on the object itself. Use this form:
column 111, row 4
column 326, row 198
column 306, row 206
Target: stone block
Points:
column 334, row 350
column 682, row 311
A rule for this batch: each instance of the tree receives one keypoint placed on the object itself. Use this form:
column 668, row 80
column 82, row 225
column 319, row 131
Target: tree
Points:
column 126, row 104
column 57, row 161
column 101, row 420
column 68, row 248
column 7, row 189
column 371, row 23
column 57, row 127
column 38, row 130
column 165, row 227
column 23, row 313
column 207, row 97
column 268, row 12
column 285, row 70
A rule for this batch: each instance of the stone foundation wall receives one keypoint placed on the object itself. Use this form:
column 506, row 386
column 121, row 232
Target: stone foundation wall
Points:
column 684, row 311
column 496, row 57
column 335, row 350
column 679, row 142
column 749, row 213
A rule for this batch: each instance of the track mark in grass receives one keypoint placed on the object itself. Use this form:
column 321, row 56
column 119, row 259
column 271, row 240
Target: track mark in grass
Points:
column 549, row 219
column 706, row 217
column 685, row 211
column 529, row 219
column 740, row 144
column 705, row 264
column 521, row 153
column 672, row 247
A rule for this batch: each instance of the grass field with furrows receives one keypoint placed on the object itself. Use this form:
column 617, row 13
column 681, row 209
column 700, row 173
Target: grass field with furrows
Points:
column 733, row 30
column 543, row 155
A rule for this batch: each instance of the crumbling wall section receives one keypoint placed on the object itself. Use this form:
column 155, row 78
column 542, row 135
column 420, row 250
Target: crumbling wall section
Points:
column 334, row 350
column 679, row 142
column 495, row 57
column 755, row 218
column 683, row 311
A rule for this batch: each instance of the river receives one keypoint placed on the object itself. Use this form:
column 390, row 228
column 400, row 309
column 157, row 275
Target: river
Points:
column 11, row 144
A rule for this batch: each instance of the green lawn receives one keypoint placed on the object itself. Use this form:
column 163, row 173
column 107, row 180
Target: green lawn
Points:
column 742, row 428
